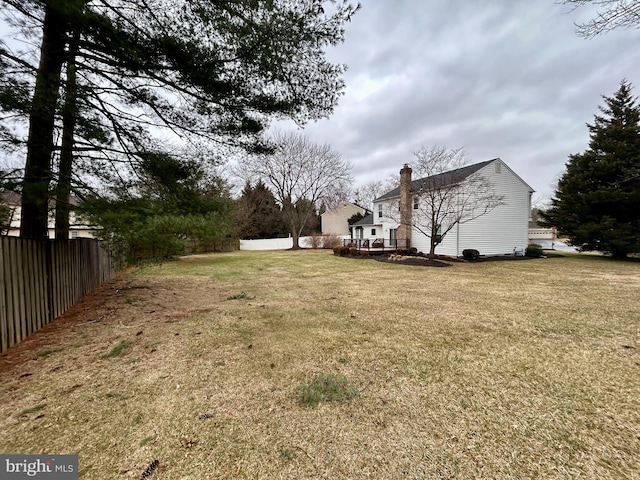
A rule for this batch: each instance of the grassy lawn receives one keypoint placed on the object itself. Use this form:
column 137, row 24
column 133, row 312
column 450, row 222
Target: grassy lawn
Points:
column 306, row 365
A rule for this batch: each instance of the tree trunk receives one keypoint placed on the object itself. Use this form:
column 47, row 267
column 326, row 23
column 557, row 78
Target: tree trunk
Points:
column 432, row 250
column 37, row 172
column 65, row 168
column 291, row 216
column 296, row 239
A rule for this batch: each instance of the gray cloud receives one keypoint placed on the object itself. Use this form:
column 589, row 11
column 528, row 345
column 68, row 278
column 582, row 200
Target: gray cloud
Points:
column 507, row 80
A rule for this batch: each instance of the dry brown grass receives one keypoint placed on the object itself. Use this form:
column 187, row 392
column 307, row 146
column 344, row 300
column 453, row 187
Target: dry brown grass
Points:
column 523, row 369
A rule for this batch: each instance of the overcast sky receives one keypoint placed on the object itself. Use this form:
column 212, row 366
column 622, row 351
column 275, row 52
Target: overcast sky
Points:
column 501, row 78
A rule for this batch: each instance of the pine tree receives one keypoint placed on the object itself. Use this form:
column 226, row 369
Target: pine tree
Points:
column 258, row 214
column 207, row 72
column 597, row 201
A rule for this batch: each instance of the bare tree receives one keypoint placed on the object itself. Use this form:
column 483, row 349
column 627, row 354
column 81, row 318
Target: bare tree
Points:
column 301, row 175
column 365, row 194
column 611, row 14
column 447, row 192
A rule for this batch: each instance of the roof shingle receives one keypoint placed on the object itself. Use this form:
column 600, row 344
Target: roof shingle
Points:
column 444, row 179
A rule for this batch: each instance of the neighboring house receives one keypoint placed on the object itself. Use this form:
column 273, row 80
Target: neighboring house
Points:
column 78, row 228
column 336, row 220
column 503, row 230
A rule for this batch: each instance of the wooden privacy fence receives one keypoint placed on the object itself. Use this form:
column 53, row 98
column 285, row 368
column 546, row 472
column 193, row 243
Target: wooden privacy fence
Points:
column 41, row 279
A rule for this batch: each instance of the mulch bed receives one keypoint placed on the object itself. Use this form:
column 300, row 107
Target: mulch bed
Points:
column 443, row 261
column 415, row 261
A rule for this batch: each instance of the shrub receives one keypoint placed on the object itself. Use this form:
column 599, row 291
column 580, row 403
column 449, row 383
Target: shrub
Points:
column 315, row 241
column 402, row 251
column 331, row 240
column 535, row 245
column 342, row 251
column 413, row 251
column 364, row 253
column 470, row 254
column 325, row 388
column 353, row 251
column 533, row 252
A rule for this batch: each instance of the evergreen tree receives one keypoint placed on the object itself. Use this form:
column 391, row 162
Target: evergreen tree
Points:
column 597, row 201
column 356, row 217
column 172, row 202
column 214, row 72
column 306, row 208
column 258, row 214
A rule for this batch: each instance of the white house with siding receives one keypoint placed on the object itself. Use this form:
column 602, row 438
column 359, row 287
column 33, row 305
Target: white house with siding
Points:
column 503, row 230
column 366, row 229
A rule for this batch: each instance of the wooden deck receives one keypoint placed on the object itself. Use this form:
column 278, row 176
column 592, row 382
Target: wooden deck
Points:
column 379, row 245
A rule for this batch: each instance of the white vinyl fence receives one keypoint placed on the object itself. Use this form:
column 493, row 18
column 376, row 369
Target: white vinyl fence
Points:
column 274, row 243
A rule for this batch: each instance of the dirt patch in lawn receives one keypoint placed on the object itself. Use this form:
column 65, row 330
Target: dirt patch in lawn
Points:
column 124, row 307
column 94, row 307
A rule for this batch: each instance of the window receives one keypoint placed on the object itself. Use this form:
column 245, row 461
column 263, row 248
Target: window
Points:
column 359, row 232
column 393, row 234
column 415, row 203
column 373, row 232
column 498, row 167
column 380, row 211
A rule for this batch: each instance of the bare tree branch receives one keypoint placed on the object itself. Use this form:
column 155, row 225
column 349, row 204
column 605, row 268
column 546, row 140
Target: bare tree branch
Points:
column 611, row 14
column 445, row 195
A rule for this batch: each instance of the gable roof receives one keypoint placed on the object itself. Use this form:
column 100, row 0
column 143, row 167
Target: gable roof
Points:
column 440, row 180
column 11, row 198
column 343, row 205
column 367, row 220
column 15, row 199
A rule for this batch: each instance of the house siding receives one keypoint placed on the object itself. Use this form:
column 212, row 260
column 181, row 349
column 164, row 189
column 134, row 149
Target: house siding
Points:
column 506, row 227
column 78, row 228
column 386, row 222
column 336, row 220
column 366, row 232
column 498, row 232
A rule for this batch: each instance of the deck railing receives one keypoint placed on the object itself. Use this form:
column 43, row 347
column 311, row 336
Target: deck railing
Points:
column 377, row 245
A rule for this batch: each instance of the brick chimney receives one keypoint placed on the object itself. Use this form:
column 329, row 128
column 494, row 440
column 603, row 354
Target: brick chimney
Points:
column 404, row 230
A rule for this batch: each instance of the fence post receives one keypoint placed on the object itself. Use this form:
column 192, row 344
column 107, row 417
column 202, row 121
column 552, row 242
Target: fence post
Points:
column 4, row 327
